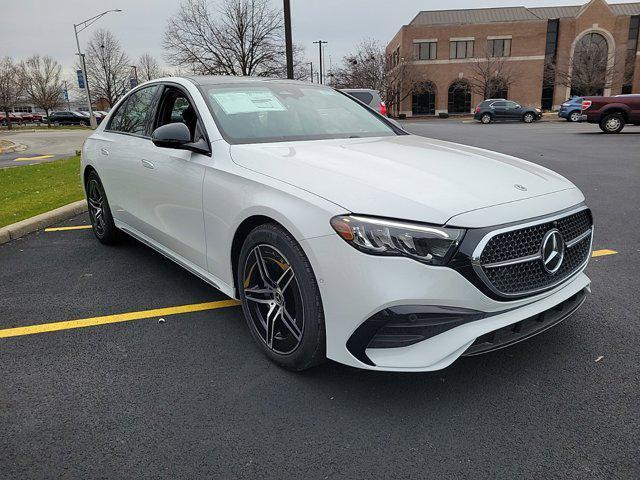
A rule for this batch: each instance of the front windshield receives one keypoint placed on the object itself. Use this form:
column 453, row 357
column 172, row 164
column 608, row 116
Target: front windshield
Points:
column 280, row 112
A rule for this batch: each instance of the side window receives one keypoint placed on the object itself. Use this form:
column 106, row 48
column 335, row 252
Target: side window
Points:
column 175, row 107
column 132, row 117
column 364, row 97
column 499, row 104
column 115, row 124
column 512, row 105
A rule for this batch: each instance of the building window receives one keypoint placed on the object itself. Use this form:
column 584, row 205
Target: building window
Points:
column 425, row 50
column 499, row 47
column 548, row 74
column 423, row 99
column 459, row 97
column 461, row 49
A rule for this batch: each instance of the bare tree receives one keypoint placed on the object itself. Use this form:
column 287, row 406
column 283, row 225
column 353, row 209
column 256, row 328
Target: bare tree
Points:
column 365, row 68
column 401, row 80
column 241, row 37
column 491, row 76
column 42, row 82
column 107, row 67
column 148, row 68
column 11, row 87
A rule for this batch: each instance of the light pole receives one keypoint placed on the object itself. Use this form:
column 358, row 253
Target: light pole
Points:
column 320, row 42
column 287, row 38
column 77, row 28
column 135, row 76
column 311, row 67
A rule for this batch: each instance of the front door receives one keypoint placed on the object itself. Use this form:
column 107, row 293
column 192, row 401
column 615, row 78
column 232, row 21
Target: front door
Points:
column 513, row 111
column 171, row 186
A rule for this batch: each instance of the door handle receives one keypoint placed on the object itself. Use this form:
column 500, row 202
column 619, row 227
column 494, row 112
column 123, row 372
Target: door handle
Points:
column 147, row 163
column 104, row 151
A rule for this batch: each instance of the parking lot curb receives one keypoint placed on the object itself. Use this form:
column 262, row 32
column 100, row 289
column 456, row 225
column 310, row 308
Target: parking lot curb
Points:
column 19, row 229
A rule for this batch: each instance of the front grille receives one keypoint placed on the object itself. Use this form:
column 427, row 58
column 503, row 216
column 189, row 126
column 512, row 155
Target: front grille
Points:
column 511, row 262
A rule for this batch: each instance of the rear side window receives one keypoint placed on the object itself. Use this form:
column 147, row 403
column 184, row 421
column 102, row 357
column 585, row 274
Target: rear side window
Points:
column 499, row 104
column 133, row 115
column 364, row 97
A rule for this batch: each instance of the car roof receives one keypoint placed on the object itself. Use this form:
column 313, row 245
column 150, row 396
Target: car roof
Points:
column 230, row 80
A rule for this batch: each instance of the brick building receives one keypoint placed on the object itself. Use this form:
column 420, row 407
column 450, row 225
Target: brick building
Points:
column 440, row 61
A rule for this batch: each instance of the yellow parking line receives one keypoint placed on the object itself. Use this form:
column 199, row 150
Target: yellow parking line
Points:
column 62, row 229
column 602, row 253
column 117, row 318
column 26, row 159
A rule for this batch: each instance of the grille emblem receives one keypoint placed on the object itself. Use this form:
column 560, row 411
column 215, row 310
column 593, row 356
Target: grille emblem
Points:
column 552, row 251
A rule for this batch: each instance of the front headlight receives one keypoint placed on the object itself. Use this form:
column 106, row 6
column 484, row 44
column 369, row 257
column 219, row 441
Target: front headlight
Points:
column 378, row 236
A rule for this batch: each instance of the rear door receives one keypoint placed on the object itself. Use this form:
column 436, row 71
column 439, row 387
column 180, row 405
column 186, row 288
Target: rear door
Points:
column 499, row 110
column 170, row 183
column 120, row 150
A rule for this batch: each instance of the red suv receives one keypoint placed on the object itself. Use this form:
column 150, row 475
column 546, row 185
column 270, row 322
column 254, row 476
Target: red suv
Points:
column 611, row 113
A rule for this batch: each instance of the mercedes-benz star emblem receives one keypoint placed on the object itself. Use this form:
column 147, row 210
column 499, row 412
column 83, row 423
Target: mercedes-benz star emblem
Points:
column 552, row 251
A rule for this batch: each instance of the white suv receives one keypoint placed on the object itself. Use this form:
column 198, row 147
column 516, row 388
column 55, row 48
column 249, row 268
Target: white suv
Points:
column 343, row 236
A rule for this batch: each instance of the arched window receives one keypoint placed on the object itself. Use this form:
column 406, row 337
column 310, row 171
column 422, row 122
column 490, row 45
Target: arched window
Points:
column 423, row 99
column 460, row 97
column 589, row 65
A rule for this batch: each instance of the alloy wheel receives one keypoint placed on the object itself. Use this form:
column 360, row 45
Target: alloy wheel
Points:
column 96, row 207
column 528, row 118
column 574, row 117
column 274, row 299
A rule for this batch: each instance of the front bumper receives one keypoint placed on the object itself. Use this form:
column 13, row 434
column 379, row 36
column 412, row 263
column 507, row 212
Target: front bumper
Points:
column 356, row 286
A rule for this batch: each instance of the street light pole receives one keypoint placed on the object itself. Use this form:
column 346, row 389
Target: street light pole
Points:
column 320, row 42
column 287, row 38
column 83, row 25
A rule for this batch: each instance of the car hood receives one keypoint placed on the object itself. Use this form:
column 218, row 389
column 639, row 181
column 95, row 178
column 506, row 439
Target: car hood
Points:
column 407, row 176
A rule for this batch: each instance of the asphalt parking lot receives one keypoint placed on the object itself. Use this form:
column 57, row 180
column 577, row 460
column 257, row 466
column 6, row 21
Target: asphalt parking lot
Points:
column 191, row 396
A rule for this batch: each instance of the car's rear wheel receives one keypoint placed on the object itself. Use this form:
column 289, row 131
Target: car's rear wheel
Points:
column 280, row 298
column 486, row 118
column 612, row 123
column 574, row 116
column 528, row 117
column 100, row 216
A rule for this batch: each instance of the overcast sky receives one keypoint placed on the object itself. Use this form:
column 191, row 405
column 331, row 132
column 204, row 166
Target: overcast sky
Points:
column 46, row 26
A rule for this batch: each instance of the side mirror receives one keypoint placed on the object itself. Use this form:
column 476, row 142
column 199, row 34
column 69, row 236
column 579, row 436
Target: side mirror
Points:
column 177, row 135
column 172, row 135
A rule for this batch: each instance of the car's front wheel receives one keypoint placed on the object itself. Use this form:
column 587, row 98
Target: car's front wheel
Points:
column 280, row 298
column 100, row 216
column 574, row 116
column 528, row 117
column 486, row 118
column 612, row 123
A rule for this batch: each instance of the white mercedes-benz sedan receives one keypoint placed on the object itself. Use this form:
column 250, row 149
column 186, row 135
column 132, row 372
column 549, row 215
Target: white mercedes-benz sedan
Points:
column 343, row 236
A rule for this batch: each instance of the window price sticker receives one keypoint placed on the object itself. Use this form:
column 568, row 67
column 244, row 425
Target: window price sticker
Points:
column 248, row 102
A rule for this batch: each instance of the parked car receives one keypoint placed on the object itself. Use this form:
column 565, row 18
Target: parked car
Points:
column 69, row 118
column 368, row 97
column 343, row 235
column 13, row 118
column 499, row 109
column 612, row 113
column 571, row 109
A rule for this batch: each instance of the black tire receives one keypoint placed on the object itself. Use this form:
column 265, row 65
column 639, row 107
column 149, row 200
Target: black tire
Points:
column 102, row 223
column 296, row 338
column 612, row 123
column 486, row 118
column 574, row 116
column 529, row 117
